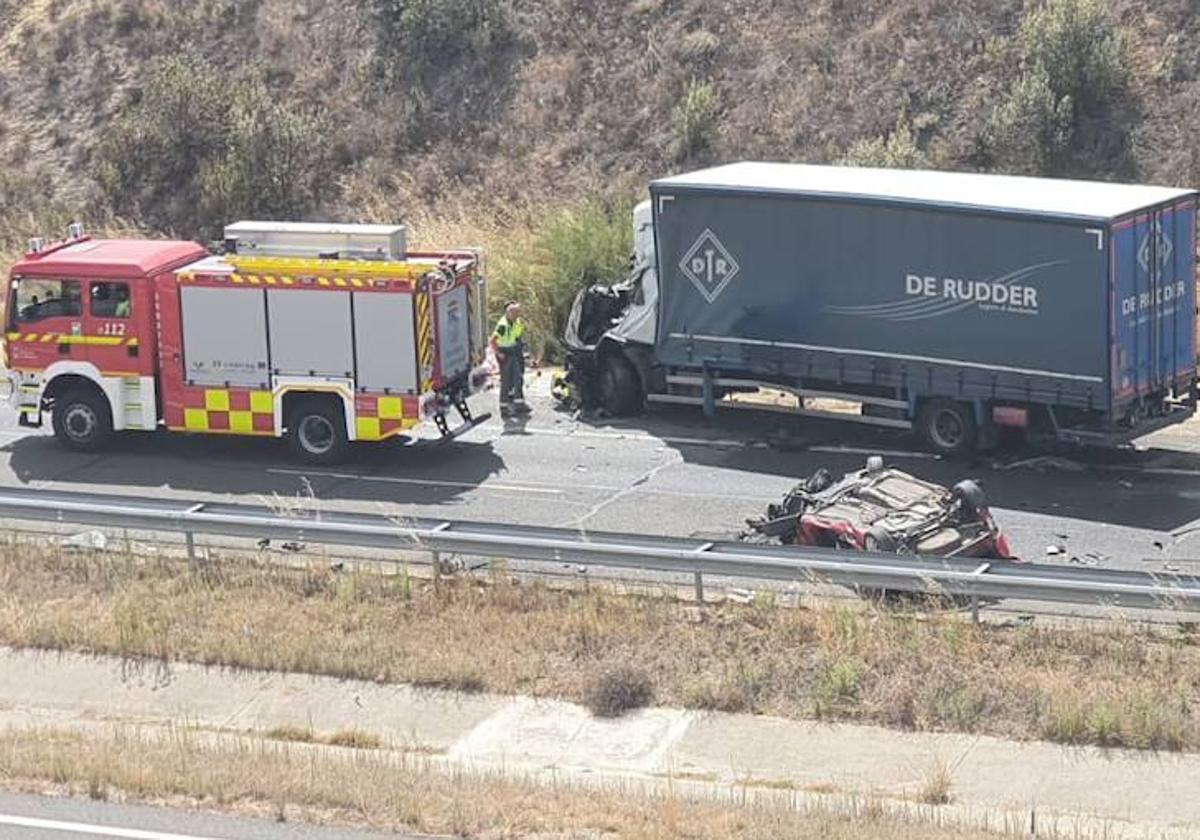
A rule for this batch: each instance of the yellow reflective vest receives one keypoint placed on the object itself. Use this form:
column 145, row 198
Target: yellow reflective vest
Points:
column 508, row 335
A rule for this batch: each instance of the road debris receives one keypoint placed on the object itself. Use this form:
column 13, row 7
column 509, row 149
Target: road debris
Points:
column 96, row 541
column 1041, row 462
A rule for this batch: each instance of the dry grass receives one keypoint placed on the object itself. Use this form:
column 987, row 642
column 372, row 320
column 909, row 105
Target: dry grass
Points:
column 937, row 784
column 394, row 792
column 350, row 738
column 1123, row 685
column 618, row 690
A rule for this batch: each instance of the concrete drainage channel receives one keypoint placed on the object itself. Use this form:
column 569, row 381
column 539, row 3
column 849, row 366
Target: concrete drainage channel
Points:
column 628, row 553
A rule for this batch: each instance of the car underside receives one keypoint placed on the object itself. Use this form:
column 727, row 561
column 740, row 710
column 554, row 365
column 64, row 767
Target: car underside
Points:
column 885, row 510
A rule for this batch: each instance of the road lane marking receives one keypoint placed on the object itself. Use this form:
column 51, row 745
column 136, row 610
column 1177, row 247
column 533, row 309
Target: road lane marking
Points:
column 424, row 482
column 670, row 439
column 520, row 488
column 864, row 450
column 93, row 830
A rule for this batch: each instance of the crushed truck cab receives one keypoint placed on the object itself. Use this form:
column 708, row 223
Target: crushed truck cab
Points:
column 305, row 332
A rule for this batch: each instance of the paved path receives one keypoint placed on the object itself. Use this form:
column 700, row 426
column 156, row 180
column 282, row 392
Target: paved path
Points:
column 44, row 818
column 1116, row 794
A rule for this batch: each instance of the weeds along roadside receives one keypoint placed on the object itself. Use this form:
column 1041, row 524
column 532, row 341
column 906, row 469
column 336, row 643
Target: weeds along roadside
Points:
column 1123, row 686
column 390, row 790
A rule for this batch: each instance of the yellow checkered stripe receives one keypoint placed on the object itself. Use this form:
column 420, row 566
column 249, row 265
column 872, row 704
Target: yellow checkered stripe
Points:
column 425, row 339
column 67, row 338
column 241, row 413
column 379, row 418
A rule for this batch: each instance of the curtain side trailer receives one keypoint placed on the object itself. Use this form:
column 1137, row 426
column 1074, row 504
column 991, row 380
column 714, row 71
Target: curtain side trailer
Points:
column 955, row 304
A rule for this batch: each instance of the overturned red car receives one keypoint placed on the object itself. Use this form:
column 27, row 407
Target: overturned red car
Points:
column 886, row 510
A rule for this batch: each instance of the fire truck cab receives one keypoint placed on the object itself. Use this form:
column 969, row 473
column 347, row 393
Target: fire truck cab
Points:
column 323, row 334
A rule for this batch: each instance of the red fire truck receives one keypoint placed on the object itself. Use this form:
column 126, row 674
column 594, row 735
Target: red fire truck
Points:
column 323, row 334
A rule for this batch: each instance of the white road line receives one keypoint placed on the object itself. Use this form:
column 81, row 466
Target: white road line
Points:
column 425, row 482
column 94, row 830
column 644, row 438
column 885, row 453
column 521, row 488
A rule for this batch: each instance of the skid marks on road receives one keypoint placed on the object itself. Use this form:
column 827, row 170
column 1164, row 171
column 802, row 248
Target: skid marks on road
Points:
column 611, row 499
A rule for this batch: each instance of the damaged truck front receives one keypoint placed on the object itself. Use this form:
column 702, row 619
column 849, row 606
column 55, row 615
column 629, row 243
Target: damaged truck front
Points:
column 956, row 305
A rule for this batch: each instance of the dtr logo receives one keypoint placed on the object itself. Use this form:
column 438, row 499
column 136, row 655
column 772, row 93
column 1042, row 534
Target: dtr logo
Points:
column 709, row 265
column 1156, row 247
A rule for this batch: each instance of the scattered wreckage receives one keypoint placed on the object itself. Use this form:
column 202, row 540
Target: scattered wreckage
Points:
column 885, row 510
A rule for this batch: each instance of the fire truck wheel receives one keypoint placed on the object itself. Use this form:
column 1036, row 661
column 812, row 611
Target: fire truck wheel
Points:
column 317, row 432
column 82, row 420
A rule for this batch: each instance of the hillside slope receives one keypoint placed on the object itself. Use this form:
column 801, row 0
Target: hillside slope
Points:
column 567, row 96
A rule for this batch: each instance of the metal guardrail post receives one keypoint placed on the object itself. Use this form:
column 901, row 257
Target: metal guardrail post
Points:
column 437, row 555
column 983, row 567
column 188, row 535
column 698, row 580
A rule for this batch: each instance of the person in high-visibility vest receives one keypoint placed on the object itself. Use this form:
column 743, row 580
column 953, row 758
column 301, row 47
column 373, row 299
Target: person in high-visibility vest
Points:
column 508, row 340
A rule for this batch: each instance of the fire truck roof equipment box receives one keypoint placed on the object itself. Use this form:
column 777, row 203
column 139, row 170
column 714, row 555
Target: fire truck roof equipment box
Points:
column 1078, row 293
column 315, row 239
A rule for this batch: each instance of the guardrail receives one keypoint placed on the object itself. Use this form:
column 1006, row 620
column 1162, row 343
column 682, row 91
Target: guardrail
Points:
column 902, row 573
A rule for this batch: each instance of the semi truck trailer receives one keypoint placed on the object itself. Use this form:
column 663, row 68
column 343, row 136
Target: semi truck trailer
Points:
column 320, row 334
column 954, row 304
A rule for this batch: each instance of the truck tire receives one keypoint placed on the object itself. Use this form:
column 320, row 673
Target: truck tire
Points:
column 82, row 420
column 317, row 432
column 620, row 389
column 948, row 426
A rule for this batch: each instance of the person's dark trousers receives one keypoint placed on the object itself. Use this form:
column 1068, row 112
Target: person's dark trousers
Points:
column 512, row 378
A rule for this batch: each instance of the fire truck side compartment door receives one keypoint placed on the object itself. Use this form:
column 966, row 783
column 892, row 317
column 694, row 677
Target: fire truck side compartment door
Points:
column 386, row 342
column 310, row 333
column 224, row 337
column 453, row 332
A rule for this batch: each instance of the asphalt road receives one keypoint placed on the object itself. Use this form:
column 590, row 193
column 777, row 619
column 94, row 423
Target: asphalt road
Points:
column 41, row 818
column 667, row 473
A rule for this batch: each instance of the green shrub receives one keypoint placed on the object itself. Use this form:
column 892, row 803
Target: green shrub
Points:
column 696, row 119
column 196, row 150
column 897, row 150
column 1075, row 43
column 1072, row 63
column 1030, row 127
column 836, row 689
column 425, row 35
column 271, row 164
column 572, row 248
column 151, row 158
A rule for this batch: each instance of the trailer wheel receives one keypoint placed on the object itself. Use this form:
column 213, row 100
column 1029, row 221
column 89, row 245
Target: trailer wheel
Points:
column 620, row 390
column 82, row 420
column 948, row 426
column 317, row 432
